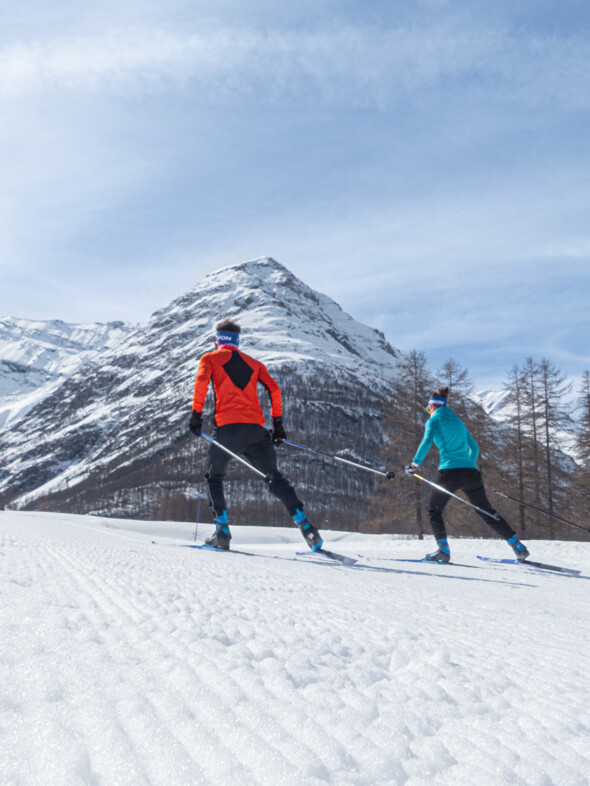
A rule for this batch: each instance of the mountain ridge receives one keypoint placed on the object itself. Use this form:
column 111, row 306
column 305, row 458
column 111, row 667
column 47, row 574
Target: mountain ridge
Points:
column 111, row 438
column 35, row 356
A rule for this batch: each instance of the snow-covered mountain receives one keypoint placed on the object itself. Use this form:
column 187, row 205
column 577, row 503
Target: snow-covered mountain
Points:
column 111, row 438
column 497, row 404
column 494, row 402
column 35, row 357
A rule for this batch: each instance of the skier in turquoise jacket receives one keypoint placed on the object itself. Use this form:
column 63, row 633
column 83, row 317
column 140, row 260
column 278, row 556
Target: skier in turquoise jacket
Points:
column 457, row 472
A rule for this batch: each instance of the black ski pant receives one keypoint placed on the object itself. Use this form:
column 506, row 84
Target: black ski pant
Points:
column 253, row 443
column 469, row 481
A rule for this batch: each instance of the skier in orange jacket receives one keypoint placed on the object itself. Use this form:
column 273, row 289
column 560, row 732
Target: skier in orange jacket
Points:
column 240, row 428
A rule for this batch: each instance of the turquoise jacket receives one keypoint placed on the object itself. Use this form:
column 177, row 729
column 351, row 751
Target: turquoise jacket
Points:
column 455, row 444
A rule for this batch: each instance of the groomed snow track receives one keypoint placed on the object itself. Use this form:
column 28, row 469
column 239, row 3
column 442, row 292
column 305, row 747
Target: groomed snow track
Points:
column 125, row 662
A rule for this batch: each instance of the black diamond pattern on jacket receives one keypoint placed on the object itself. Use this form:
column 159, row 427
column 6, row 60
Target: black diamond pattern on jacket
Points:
column 238, row 370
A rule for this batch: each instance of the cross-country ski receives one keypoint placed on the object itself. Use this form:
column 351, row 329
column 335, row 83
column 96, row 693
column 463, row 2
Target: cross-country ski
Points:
column 331, row 555
column 205, row 547
column 532, row 564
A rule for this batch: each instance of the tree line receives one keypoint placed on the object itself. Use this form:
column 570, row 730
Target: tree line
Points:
column 521, row 456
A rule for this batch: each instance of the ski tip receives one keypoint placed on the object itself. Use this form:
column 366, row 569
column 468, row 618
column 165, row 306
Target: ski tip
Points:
column 343, row 560
column 329, row 555
column 208, row 547
column 556, row 568
column 533, row 564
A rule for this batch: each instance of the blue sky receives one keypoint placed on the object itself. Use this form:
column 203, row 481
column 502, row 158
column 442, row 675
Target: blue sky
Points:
column 424, row 163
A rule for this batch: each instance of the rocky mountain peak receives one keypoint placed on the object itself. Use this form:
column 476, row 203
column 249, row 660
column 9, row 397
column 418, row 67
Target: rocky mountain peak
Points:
column 111, row 438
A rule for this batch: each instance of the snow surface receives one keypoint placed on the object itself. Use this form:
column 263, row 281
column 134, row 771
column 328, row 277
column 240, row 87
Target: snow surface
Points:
column 36, row 356
column 498, row 406
column 124, row 662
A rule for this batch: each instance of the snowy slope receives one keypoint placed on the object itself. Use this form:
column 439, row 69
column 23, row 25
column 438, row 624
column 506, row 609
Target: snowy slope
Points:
column 36, row 356
column 103, row 426
column 494, row 402
column 124, row 662
column 497, row 405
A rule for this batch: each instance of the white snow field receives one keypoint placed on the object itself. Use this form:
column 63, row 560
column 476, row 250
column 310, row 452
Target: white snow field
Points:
column 124, row 662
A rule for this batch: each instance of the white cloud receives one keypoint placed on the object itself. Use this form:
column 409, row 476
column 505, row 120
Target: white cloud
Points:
column 362, row 66
column 135, row 161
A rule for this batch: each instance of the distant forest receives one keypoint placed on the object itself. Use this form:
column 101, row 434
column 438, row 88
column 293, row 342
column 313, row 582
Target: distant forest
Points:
column 520, row 458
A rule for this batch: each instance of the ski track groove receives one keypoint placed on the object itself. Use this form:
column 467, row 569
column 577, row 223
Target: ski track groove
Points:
column 107, row 598
column 194, row 674
column 110, row 632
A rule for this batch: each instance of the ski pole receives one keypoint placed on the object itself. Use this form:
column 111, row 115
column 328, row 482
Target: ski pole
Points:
column 233, row 455
column 388, row 475
column 198, row 512
column 450, row 493
column 534, row 507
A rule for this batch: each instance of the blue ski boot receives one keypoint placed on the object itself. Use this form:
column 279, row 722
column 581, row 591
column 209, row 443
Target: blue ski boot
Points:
column 222, row 536
column 519, row 548
column 309, row 532
column 443, row 554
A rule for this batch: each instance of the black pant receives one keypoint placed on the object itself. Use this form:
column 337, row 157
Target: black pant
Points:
column 467, row 480
column 254, row 443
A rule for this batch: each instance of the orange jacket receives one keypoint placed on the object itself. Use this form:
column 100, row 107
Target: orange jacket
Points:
column 235, row 377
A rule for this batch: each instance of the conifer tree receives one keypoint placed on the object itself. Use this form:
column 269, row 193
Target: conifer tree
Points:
column 583, row 437
column 516, row 398
column 460, row 386
column 583, row 445
column 554, row 416
column 415, row 382
column 531, row 417
column 403, row 424
column 473, row 415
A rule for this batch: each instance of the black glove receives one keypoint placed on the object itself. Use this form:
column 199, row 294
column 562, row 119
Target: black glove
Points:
column 411, row 469
column 196, row 422
column 278, row 431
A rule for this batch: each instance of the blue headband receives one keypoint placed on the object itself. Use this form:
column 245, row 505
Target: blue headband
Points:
column 225, row 337
column 437, row 401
